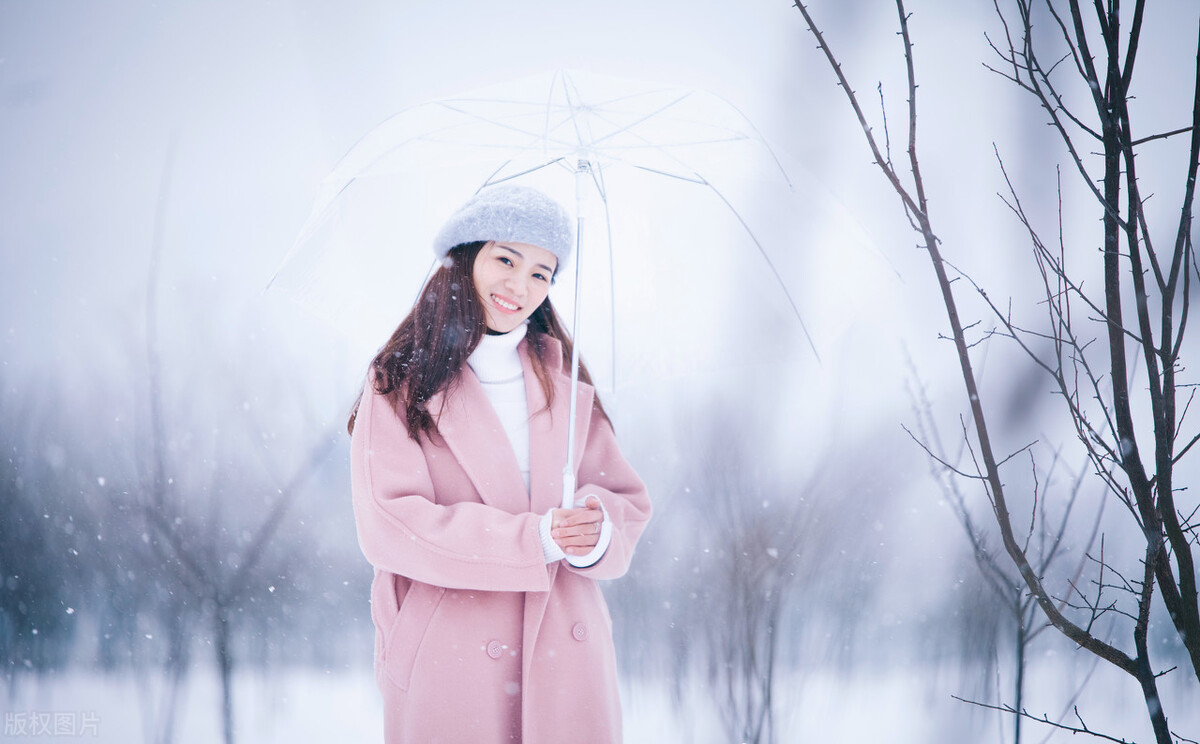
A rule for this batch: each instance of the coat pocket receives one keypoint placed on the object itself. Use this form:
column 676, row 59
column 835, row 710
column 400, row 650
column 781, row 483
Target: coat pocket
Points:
column 385, row 606
column 408, row 630
column 602, row 604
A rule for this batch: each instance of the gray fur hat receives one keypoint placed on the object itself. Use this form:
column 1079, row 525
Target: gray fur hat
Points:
column 518, row 214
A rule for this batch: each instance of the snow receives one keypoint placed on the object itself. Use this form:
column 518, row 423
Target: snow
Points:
column 896, row 705
column 284, row 706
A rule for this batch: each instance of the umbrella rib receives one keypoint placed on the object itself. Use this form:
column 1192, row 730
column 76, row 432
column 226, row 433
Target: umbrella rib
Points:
column 601, row 187
column 649, row 115
column 545, row 136
column 549, row 106
column 683, row 143
column 484, row 119
column 604, row 112
column 598, row 178
column 698, row 179
column 762, row 140
column 426, row 136
column 315, row 219
column 568, row 88
column 734, row 135
column 757, row 135
column 626, row 96
column 535, row 140
column 701, row 181
column 489, row 182
column 771, row 265
column 572, row 116
column 680, row 99
column 663, row 151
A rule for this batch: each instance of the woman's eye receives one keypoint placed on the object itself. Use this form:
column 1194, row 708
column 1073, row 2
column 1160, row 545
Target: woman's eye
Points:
column 540, row 277
column 506, row 260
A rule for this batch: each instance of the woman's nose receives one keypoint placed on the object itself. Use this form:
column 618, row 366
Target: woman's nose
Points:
column 515, row 285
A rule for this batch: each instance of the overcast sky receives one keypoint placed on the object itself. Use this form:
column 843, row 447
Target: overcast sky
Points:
column 254, row 101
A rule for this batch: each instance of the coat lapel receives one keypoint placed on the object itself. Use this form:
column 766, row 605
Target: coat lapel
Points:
column 473, row 432
column 547, row 429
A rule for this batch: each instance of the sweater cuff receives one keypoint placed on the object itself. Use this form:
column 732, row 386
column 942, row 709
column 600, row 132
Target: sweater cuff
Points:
column 550, row 549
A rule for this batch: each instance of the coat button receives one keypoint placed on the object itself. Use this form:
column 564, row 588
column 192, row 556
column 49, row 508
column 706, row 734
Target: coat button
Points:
column 579, row 632
column 494, row 649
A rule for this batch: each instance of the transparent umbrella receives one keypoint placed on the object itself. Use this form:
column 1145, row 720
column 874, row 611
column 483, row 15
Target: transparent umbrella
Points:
column 683, row 214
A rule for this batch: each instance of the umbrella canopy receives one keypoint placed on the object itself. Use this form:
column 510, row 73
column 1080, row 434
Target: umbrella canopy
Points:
column 676, row 187
column 684, row 214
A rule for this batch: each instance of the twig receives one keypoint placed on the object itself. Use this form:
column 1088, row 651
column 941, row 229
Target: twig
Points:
column 1081, row 729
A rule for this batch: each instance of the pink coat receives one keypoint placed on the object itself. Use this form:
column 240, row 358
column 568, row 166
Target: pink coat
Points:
column 477, row 639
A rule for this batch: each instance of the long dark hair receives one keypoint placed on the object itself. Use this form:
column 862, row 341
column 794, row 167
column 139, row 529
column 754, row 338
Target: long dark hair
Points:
column 426, row 353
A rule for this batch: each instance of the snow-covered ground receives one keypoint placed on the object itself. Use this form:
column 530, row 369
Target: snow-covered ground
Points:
column 284, row 706
column 295, row 705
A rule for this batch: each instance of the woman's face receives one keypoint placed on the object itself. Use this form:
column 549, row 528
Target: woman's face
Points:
column 512, row 279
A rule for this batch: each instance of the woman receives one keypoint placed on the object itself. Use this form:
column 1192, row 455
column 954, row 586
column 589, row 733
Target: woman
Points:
column 490, row 626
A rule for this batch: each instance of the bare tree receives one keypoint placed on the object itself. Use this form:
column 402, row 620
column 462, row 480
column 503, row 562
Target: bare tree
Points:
column 1096, row 387
column 1018, row 612
column 205, row 553
column 756, row 527
column 742, row 570
column 41, row 573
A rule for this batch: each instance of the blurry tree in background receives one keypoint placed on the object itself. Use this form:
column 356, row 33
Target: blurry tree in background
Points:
column 148, row 528
column 1008, row 607
column 759, row 535
column 756, row 573
column 1078, row 64
column 212, row 521
column 40, row 568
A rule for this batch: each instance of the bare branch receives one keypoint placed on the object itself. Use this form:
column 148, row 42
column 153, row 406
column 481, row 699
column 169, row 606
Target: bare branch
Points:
column 1162, row 135
column 939, row 460
column 880, row 160
column 1081, row 729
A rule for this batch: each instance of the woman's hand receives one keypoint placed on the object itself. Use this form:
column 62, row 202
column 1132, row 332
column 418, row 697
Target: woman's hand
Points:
column 577, row 530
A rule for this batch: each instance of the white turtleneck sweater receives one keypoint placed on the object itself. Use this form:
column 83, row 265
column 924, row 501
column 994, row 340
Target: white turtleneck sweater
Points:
column 497, row 364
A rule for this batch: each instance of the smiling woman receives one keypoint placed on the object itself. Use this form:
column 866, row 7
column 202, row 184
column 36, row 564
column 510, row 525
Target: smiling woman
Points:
column 512, row 280
column 489, row 624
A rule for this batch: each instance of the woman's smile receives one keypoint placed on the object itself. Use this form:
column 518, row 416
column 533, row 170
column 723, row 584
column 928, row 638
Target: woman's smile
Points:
column 505, row 305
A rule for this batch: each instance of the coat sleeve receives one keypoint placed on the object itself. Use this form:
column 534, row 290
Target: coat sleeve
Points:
column 603, row 472
column 401, row 528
